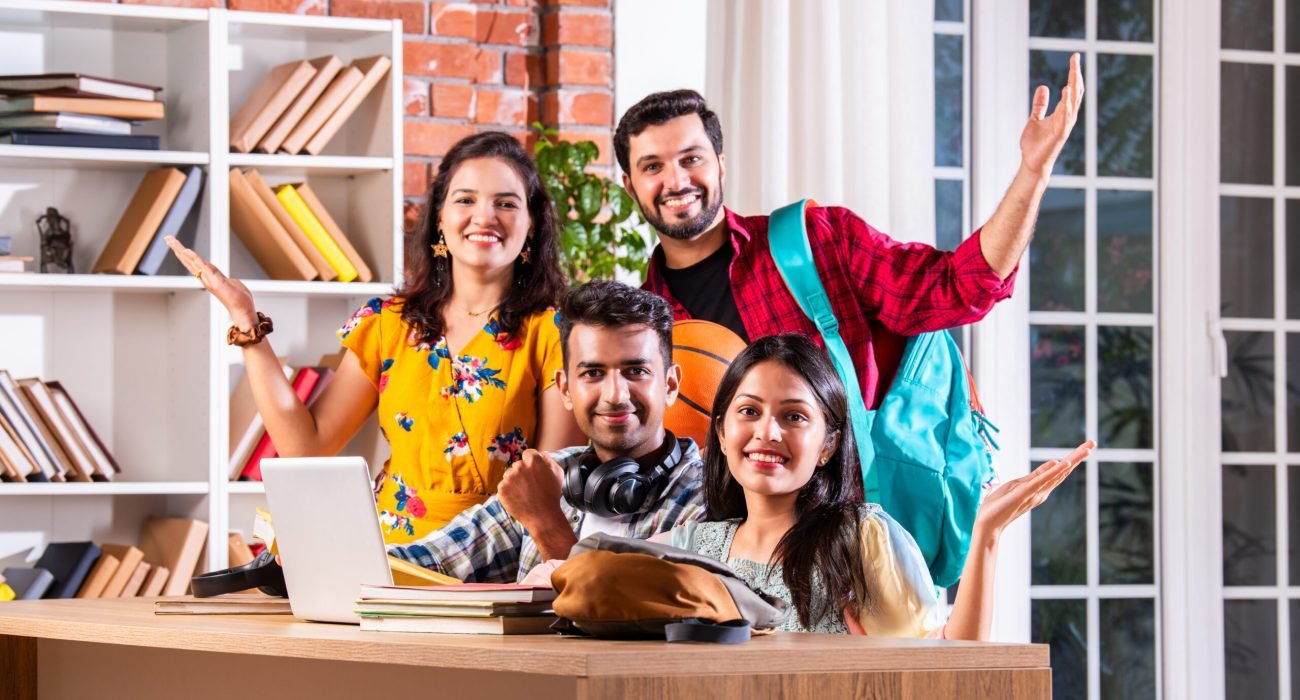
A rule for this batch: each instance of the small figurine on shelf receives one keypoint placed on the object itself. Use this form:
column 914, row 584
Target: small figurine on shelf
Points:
column 56, row 241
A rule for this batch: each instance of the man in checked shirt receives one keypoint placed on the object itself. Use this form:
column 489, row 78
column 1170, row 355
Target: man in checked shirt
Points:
column 714, row 264
column 618, row 378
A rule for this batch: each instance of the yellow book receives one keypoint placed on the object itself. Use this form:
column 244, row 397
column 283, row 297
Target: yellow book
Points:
column 319, row 237
column 6, row 593
column 407, row 574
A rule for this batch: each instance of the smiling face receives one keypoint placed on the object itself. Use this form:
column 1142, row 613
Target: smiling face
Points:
column 676, row 177
column 774, row 431
column 617, row 385
column 484, row 218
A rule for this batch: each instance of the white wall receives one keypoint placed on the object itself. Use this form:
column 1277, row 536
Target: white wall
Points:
column 658, row 45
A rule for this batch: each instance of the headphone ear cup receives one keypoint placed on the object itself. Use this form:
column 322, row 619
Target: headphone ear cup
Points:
column 602, row 483
column 628, row 495
column 575, row 480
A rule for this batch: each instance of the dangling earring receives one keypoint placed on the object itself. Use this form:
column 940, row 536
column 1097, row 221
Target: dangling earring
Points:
column 526, row 256
column 439, row 248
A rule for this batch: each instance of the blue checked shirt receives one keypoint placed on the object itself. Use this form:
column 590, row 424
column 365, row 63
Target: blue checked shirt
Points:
column 484, row 544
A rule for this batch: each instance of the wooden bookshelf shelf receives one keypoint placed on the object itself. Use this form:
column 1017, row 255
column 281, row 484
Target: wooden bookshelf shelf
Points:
column 146, row 356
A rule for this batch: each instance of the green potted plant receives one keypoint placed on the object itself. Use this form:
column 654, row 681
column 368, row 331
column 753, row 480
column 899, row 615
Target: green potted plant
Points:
column 596, row 216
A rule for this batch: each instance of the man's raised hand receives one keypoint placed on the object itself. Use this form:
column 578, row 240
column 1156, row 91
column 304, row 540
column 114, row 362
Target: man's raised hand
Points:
column 1045, row 134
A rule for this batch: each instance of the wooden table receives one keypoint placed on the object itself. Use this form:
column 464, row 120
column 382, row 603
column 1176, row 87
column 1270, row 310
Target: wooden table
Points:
column 119, row 648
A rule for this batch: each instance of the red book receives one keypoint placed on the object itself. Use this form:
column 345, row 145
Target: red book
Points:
column 304, row 380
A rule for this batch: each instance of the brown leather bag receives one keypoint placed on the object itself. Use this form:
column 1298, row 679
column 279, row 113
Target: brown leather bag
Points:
column 619, row 588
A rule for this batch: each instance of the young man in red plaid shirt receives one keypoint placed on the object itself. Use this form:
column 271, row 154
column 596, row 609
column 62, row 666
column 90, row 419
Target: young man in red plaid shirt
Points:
column 714, row 264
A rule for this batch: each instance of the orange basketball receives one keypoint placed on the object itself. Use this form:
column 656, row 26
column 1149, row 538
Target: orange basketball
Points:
column 705, row 351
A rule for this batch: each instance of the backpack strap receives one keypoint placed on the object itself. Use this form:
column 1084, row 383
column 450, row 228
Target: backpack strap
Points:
column 788, row 240
column 696, row 630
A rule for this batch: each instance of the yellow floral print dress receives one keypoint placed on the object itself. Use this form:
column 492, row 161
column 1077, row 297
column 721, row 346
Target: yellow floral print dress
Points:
column 453, row 423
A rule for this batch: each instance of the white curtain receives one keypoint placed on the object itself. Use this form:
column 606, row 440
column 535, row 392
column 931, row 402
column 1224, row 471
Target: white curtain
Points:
column 829, row 99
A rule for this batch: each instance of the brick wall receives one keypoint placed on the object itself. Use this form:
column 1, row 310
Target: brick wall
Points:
column 484, row 65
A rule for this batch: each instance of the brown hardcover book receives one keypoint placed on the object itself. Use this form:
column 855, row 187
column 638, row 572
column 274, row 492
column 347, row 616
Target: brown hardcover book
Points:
column 104, row 107
column 262, row 234
column 71, row 469
column 317, row 208
column 136, row 582
column 154, row 581
column 140, row 222
column 105, row 465
column 373, row 69
column 343, row 84
column 176, row 543
column 18, row 454
column 9, row 471
column 238, row 550
column 99, row 576
column 268, row 101
column 129, row 559
column 264, row 193
column 326, row 68
column 83, row 466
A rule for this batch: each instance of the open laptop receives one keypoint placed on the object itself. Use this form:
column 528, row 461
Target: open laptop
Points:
column 327, row 532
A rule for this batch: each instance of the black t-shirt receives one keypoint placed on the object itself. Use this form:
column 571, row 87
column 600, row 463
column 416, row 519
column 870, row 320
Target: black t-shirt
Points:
column 705, row 290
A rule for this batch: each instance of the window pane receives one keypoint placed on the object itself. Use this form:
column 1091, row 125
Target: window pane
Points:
column 1247, row 393
column 1124, row 115
column 1246, row 257
column 1056, row 18
column 1124, row 20
column 1052, row 68
column 947, row 100
column 1063, row 624
column 1126, row 533
column 1246, row 129
column 1293, row 124
column 1249, row 528
column 948, row 10
column 1248, row 24
column 1124, row 252
column 1293, row 527
column 1128, row 648
column 1293, row 27
column 1293, row 258
column 1293, row 396
column 1250, row 649
column 1056, row 385
column 947, row 214
column 1057, row 534
column 1056, row 255
column 1124, row 412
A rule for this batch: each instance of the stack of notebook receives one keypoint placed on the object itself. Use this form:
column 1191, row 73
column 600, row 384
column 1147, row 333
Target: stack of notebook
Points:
column 73, row 109
column 299, row 106
column 461, row 608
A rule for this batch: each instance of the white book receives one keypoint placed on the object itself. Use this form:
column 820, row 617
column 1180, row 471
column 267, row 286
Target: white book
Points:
column 40, row 395
column 77, row 83
column 65, row 121
column 26, row 429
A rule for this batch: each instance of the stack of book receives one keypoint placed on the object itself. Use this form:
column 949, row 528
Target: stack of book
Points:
column 160, row 207
column 45, row 437
column 246, row 603
column 73, row 109
column 249, row 441
column 290, row 233
column 161, row 563
column 461, row 608
column 299, row 106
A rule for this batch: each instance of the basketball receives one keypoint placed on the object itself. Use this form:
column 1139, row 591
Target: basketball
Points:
column 705, row 351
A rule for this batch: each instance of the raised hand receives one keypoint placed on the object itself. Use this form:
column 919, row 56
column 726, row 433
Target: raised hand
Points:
column 531, row 494
column 230, row 292
column 1019, row 496
column 1045, row 134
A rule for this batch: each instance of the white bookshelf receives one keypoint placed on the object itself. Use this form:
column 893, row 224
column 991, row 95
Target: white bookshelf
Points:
column 145, row 357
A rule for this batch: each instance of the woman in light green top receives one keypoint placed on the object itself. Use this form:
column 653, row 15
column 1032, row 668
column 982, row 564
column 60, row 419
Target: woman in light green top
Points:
column 784, row 494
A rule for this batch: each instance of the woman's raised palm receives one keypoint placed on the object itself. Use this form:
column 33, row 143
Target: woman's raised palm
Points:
column 230, row 292
column 1019, row 496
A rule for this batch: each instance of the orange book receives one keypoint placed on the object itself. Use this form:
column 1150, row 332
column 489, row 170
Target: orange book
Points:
column 326, row 68
column 344, row 83
column 373, row 69
column 264, row 193
column 269, row 100
column 238, row 550
column 129, row 559
column 262, row 234
column 176, row 543
column 100, row 106
column 71, row 469
column 99, row 576
column 153, row 198
column 317, row 208
column 154, row 581
column 136, row 582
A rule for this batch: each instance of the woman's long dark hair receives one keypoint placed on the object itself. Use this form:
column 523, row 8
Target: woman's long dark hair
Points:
column 823, row 544
column 536, row 284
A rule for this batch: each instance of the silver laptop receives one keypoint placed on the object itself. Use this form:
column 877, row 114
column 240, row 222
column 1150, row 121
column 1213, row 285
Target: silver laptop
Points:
column 327, row 532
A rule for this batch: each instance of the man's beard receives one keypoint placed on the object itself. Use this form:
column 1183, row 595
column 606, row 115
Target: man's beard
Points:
column 613, row 439
column 685, row 230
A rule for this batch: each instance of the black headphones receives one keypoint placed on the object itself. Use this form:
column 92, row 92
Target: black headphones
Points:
column 617, row 487
column 263, row 573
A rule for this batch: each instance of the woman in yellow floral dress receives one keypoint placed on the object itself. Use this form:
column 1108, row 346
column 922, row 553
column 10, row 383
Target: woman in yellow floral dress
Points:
column 460, row 362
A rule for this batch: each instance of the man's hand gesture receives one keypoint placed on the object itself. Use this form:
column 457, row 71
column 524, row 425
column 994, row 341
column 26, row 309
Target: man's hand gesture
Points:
column 530, row 492
column 1045, row 134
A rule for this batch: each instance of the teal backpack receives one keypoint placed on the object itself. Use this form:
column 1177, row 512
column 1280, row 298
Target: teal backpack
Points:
column 926, row 453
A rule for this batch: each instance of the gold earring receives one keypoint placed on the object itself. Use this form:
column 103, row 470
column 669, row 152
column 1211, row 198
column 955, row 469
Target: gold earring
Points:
column 526, row 255
column 440, row 248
